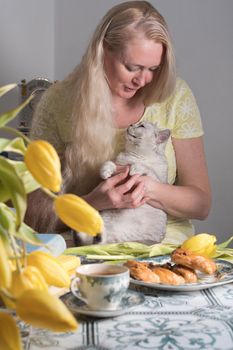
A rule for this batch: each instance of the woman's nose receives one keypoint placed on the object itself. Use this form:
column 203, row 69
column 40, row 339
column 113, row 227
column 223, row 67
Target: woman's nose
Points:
column 142, row 78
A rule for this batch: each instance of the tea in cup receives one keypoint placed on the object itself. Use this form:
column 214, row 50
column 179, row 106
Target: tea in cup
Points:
column 100, row 286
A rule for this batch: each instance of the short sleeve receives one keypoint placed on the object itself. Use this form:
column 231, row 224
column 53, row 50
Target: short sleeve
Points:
column 185, row 113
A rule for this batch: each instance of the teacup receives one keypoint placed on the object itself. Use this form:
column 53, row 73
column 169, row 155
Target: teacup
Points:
column 100, row 286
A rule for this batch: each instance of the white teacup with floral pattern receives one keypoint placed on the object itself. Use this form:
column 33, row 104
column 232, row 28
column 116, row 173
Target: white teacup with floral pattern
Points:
column 100, row 286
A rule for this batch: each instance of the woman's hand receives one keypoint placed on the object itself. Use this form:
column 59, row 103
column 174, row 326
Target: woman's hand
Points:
column 119, row 191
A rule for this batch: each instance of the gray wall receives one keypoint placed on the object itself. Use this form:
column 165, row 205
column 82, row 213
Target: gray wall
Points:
column 47, row 38
column 26, row 44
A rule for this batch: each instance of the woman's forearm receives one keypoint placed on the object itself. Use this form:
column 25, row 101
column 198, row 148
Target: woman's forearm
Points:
column 181, row 201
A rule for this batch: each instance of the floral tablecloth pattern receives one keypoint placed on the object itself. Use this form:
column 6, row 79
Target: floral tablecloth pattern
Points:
column 197, row 320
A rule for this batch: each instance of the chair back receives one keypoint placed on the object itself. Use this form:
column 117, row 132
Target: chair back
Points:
column 34, row 87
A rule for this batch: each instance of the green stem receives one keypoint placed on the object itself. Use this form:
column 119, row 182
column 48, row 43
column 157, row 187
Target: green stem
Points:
column 49, row 193
column 13, row 243
column 16, row 132
column 24, row 254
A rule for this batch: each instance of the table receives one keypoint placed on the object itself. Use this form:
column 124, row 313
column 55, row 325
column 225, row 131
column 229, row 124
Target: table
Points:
column 197, row 320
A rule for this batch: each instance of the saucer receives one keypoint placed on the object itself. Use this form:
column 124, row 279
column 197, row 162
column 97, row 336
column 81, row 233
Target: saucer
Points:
column 130, row 300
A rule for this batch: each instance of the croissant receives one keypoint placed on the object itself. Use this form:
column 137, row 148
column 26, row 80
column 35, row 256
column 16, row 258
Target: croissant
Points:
column 141, row 272
column 187, row 273
column 193, row 261
column 167, row 276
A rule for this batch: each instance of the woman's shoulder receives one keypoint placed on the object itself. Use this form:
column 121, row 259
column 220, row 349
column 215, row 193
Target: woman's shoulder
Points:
column 50, row 97
column 56, row 99
column 181, row 88
column 57, row 92
column 180, row 83
column 52, row 116
column 181, row 102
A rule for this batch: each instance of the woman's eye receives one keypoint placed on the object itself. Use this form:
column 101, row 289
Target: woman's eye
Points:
column 131, row 69
column 135, row 69
column 153, row 69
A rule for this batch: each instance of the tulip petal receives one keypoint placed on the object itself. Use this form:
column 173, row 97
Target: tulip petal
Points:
column 78, row 214
column 40, row 309
column 29, row 278
column 9, row 333
column 43, row 162
column 5, row 269
column 201, row 244
column 50, row 268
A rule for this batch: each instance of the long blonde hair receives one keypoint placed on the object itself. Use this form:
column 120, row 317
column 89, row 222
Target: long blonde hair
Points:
column 93, row 132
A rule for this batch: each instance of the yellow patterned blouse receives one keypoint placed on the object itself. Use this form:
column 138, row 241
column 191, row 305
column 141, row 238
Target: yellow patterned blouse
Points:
column 179, row 113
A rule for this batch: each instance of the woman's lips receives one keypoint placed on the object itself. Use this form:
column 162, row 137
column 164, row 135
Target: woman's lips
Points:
column 129, row 89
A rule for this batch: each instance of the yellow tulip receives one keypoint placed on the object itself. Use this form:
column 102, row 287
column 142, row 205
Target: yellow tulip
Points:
column 9, row 333
column 201, row 244
column 50, row 268
column 8, row 302
column 40, row 309
column 69, row 263
column 44, row 164
column 29, row 277
column 78, row 214
column 5, row 268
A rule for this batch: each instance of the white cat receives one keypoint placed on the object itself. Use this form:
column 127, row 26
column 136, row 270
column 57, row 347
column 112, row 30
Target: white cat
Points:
column 145, row 153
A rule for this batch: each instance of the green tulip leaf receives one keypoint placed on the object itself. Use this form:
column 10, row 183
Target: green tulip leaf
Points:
column 223, row 245
column 117, row 251
column 8, row 225
column 14, row 185
column 7, row 219
column 5, row 238
column 4, row 193
column 16, row 145
column 6, row 88
column 28, row 235
column 30, row 184
column 8, row 116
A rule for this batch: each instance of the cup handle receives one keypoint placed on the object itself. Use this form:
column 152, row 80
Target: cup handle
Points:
column 75, row 292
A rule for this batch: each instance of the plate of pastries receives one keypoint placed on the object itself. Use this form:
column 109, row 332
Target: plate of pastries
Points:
column 181, row 271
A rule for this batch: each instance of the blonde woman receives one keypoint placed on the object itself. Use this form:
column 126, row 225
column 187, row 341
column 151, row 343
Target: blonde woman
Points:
column 126, row 75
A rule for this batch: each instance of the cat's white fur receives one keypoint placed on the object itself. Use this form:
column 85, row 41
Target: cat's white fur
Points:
column 145, row 153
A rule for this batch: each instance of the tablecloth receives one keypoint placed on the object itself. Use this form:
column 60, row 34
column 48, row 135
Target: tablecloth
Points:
column 197, row 320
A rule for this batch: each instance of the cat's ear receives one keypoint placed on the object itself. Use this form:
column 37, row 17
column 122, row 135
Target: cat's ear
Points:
column 163, row 136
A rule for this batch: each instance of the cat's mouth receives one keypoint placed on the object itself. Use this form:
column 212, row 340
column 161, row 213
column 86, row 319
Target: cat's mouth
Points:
column 128, row 132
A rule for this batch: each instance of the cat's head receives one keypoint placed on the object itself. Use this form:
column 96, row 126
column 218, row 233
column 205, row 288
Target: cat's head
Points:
column 147, row 136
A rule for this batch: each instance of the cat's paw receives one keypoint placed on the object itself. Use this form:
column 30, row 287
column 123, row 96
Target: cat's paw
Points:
column 136, row 169
column 107, row 169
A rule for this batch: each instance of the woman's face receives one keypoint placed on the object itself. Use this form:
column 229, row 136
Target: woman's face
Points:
column 133, row 68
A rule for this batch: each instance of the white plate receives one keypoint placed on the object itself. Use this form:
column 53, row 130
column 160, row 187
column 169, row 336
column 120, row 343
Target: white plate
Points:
column 204, row 281
column 130, row 300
